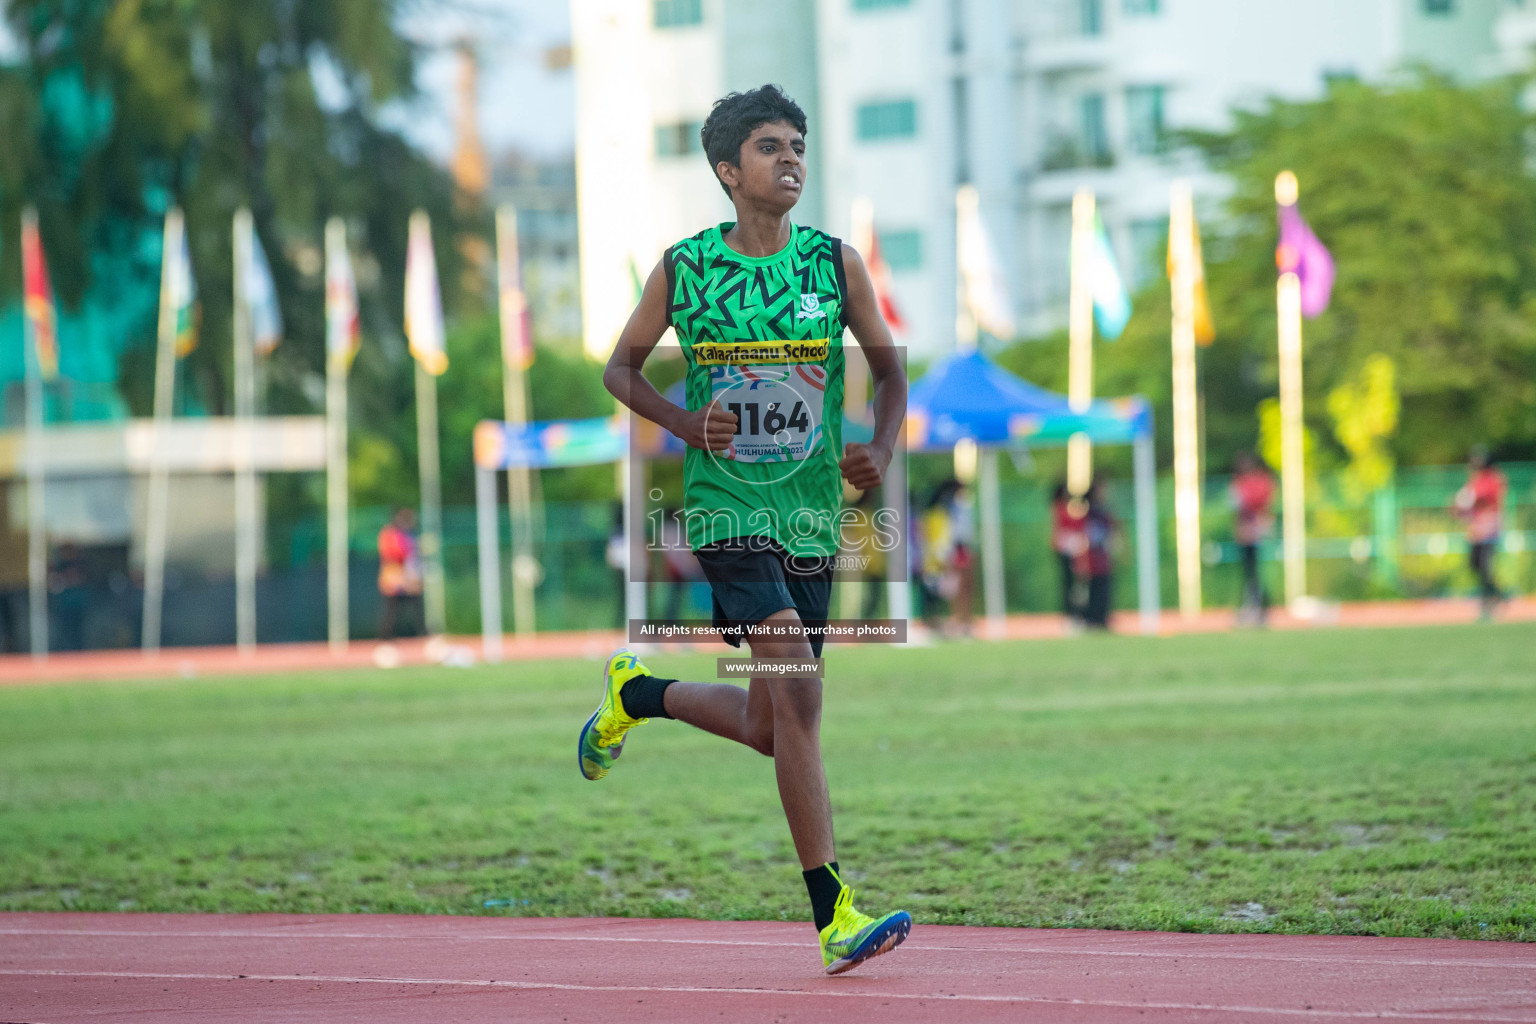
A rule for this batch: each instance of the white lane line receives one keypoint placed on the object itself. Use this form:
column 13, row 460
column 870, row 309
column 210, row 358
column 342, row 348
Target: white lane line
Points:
column 1432, row 1015
column 1381, row 961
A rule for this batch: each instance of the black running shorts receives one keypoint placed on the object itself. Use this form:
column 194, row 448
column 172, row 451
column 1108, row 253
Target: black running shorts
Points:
column 750, row 578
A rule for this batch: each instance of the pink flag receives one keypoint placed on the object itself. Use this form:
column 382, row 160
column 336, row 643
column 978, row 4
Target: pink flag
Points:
column 1301, row 253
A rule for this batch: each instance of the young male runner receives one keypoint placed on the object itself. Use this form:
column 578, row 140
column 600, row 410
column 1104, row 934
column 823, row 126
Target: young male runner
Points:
column 759, row 306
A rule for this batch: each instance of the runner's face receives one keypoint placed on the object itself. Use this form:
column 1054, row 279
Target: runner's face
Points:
column 772, row 170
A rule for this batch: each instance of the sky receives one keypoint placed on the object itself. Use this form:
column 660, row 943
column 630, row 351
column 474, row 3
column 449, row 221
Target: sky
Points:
column 521, row 104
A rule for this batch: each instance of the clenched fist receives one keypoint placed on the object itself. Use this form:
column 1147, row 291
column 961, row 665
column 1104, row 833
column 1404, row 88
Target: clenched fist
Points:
column 864, row 465
column 711, row 428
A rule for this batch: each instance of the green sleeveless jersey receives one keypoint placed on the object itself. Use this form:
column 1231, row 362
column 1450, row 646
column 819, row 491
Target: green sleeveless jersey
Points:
column 765, row 337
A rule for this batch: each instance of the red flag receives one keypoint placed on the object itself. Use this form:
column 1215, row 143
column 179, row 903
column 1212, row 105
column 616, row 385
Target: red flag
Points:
column 37, row 298
column 880, row 277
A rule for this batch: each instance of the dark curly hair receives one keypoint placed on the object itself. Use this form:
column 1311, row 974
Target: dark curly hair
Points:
column 737, row 115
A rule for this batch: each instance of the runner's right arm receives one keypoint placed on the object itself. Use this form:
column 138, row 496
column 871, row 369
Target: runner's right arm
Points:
column 710, row 428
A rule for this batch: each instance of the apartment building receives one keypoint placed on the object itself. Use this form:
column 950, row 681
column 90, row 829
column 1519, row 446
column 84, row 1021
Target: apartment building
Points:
column 1027, row 100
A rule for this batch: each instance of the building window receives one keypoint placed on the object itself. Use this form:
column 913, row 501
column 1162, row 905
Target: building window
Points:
column 875, row 5
column 1093, row 137
column 680, row 139
column 1144, row 125
column 677, row 13
column 1091, row 17
column 903, row 250
column 896, row 119
column 1141, row 7
column 1440, row 7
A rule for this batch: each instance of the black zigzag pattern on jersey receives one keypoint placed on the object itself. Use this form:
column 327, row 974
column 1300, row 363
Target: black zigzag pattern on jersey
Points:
column 717, row 296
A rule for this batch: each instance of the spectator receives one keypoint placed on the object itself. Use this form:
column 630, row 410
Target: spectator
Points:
column 948, row 542
column 400, row 577
column 1069, row 540
column 68, row 578
column 962, row 556
column 864, row 547
column 1480, row 504
column 1251, row 495
column 1096, row 563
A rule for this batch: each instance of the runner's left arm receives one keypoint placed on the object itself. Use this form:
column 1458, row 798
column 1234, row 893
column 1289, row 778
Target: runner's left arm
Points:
column 864, row 465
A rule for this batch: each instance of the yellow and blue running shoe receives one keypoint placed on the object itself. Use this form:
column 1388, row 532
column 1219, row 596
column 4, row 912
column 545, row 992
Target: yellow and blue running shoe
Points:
column 602, row 738
column 853, row 937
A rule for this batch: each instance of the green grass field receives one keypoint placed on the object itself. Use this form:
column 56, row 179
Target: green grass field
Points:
column 1377, row 782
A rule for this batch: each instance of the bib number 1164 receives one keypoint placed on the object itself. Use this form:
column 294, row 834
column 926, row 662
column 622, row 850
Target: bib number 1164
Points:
column 752, row 418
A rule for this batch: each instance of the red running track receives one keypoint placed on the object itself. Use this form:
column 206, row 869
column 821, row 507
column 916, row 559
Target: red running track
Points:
column 64, row 968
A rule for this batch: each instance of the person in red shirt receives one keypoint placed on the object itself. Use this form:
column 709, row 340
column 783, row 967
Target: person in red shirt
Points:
column 1095, row 563
column 1480, row 504
column 399, row 575
column 1069, row 540
column 1252, row 495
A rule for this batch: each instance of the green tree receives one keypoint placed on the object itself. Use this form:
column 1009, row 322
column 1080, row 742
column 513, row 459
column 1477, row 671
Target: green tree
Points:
column 123, row 108
column 1423, row 193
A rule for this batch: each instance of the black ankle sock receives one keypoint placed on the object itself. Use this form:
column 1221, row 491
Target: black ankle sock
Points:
column 642, row 697
column 823, row 885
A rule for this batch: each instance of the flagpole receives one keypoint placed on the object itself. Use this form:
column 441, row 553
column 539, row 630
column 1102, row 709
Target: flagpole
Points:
column 433, row 581
column 159, row 467
column 969, row 457
column 1080, row 334
column 245, row 410
column 336, row 355
column 37, row 535
column 514, row 347
column 856, row 369
column 1186, row 441
column 1292, row 450
column 861, row 230
column 967, row 330
column 424, row 328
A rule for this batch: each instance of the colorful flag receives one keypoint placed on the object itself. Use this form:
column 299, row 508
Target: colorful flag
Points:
column 261, row 299
column 865, row 240
column 37, row 299
column 178, row 290
column 343, row 334
column 1301, row 253
column 980, row 274
column 423, row 300
column 1111, row 302
column 1205, row 326
column 516, row 324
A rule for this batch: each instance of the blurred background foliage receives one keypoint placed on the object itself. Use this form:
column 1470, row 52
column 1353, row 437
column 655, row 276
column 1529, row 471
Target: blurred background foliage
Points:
column 1423, row 192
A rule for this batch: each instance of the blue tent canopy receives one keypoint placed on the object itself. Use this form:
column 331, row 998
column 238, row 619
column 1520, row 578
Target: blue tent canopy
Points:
column 968, row 396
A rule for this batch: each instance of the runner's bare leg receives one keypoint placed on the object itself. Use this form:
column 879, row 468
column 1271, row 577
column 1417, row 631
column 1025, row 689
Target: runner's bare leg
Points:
column 781, row 717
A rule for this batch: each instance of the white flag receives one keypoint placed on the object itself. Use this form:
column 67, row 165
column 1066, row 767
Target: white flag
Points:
column 261, row 299
column 980, row 274
column 423, row 300
column 178, row 289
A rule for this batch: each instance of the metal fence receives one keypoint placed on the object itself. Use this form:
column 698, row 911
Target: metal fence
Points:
column 1401, row 542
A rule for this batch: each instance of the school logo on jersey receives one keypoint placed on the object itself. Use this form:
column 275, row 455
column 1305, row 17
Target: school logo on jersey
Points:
column 810, row 307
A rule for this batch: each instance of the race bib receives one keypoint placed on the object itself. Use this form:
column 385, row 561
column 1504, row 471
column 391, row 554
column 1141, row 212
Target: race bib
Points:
column 778, row 409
